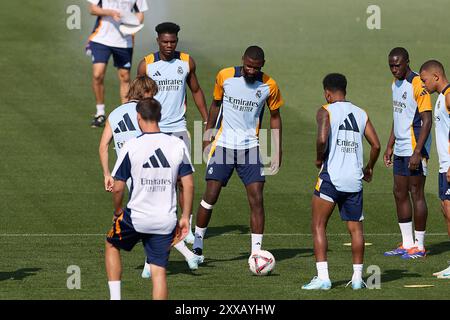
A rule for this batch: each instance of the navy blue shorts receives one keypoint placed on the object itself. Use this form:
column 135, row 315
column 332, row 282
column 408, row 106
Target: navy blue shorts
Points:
column 247, row 163
column 123, row 236
column 444, row 187
column 401, row 167
column 350, row 204
column 122, row 56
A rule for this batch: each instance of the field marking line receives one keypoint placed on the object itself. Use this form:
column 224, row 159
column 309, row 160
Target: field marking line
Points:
column 210, row 235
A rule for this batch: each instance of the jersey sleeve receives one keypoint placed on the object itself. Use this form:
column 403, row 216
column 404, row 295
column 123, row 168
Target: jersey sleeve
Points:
column 122, row 168
column 274, row 101
column 218, row 86
column 185, row 167
column 140, row 6
column 421, row 96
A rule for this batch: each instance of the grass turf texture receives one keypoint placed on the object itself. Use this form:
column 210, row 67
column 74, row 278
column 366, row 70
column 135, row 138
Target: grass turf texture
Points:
column 50, row 177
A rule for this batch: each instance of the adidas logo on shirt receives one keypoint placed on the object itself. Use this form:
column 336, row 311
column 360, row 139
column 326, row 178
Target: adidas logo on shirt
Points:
column 153, row 163
column 349, row 124
column 125, row 125
column 447, row 193
column 157, row 74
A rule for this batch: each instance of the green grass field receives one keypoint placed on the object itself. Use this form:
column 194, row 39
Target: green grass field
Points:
column 54, row 212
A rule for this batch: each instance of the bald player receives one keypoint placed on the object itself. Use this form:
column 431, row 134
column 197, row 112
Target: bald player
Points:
column 433, row 76
column 407, row 152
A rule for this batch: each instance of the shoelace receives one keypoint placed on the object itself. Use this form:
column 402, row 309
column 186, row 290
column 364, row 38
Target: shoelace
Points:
column 364, row 284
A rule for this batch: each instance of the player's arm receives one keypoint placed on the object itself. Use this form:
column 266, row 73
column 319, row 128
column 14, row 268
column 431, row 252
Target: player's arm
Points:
column 142, row 68
column 415, row 159
column 187, row 182
column 447, row 102
column 276, row 127
column 387, row 157
column 103, row 152
column 140, row 16
column 323, row 131
column 121, row 173
column 118, row 191
column 96, row 10
column 212, row 119
column 372, row 138
column 197, row 92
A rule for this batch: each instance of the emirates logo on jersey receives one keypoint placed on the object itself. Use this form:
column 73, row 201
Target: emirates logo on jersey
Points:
column 180, row 70
column 405, row 95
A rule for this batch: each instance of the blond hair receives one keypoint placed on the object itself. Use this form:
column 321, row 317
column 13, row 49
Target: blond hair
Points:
column 140, row 86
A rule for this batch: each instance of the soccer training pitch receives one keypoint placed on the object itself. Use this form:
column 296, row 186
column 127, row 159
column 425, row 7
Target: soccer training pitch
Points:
column 55, row 213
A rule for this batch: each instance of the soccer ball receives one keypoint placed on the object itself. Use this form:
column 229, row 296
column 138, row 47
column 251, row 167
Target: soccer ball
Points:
column 261, row 262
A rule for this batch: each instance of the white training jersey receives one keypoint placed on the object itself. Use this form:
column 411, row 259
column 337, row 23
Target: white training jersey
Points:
column 170, row 76
column 409, row 100
column 442, row 130
column 153, row 161
column 242, row 110
column 106, row 30
column 343, row 165
column 124, row 125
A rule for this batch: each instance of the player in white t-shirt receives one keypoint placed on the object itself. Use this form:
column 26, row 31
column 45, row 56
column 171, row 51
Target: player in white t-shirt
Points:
column 106, row 40
column 434, row 79
column 121, row 127
column 154, row 161
column 342, row 127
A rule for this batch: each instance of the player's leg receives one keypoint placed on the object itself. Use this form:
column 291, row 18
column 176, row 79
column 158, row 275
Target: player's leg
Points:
column 444, row 195
column 255, row 200
column 159, row 281
column 122, row 61
column 124, row 83
column 445, row 205
column 113, row 270
column 404, row 210
column 121, row 236
column 250, row 170
column 100, row 57
column 321, row 212
column 218, row 171
column 204, row 212
column 417, row 189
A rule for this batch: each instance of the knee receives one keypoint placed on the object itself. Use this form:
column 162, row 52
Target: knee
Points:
column 98, row 78
column 124, row 76
column 400, row 194
column 417, row 193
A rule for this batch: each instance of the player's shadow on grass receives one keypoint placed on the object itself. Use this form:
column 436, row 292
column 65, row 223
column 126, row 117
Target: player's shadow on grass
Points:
column 386, row 276
column 19, row 274
column 438, row 248
column 235, row 229
column 279, row 254
column 178, row 267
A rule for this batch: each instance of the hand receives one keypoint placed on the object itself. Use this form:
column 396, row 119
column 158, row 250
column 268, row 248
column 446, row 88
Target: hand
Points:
column 109, row 183
column 117, row 214
column 115, row 15
column 318, row 164
column 414, row 161
column 368, row 173
column 181, row 231
column 388, row 157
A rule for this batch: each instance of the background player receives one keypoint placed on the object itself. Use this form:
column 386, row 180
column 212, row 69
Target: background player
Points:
column 107, row 40
column 122, row 126
column 341, row 128
column 433, row 76
column 154, row 161
column 173, row 70
column 240, row 96
column 409, row 143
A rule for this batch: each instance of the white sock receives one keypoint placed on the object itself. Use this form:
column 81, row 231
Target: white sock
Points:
column 184, row 250
column 357, row 272
column 420, row 239
column 322, row 270
column 407, row 235
column 100, row 110
column 256, row 242
column 199, row 235
column 114, row 289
